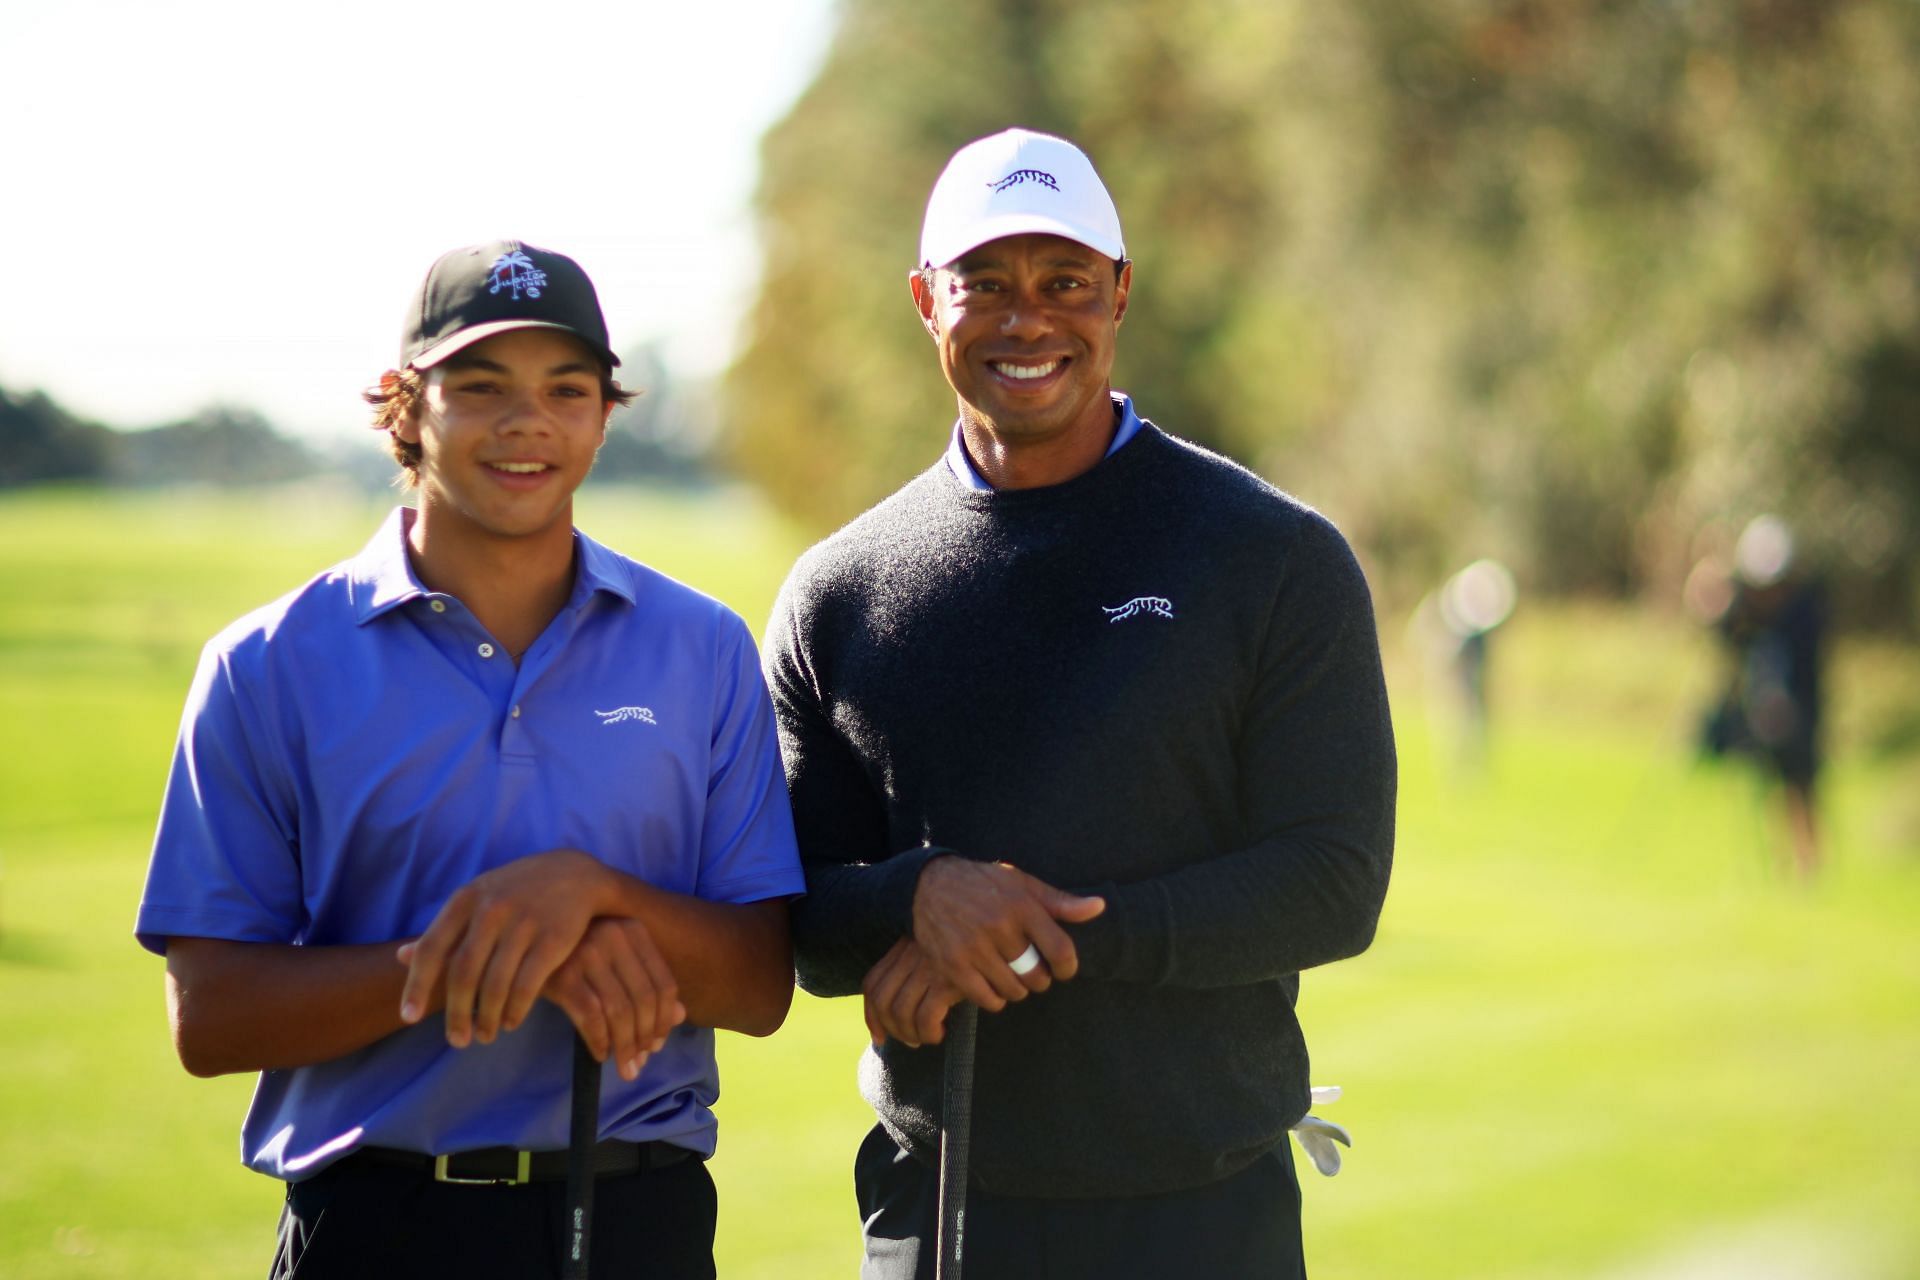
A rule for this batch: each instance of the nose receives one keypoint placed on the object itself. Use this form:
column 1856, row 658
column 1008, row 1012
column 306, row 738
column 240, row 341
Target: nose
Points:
column 1026, row 317
column 526, row 411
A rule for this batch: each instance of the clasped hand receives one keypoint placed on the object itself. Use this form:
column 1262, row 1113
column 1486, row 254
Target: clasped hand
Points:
column 527, row 931
column 971, row 920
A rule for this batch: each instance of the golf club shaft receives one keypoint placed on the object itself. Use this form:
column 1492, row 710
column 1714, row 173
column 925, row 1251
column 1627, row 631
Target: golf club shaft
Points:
column 956, row 1134
column 583, row 1133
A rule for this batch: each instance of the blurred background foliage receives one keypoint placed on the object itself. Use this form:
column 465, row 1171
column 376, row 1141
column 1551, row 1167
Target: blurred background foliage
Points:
column 1582, row 285
column 1578, row 283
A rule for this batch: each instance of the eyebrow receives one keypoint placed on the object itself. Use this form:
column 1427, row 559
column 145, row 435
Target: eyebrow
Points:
column 994, row 262
column 458, row 362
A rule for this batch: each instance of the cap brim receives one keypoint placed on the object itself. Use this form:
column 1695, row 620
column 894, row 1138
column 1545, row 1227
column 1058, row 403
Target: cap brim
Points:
column 1018, row 224
column 460, row 341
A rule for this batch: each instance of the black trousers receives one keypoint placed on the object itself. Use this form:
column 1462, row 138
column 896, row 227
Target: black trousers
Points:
column 1245, row 1227
column 363, row 1222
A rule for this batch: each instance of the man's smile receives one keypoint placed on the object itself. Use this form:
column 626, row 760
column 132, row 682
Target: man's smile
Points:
column 1024, row 372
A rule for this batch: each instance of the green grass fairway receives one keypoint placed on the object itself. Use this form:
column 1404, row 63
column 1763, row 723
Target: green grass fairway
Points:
column 1600, row 1036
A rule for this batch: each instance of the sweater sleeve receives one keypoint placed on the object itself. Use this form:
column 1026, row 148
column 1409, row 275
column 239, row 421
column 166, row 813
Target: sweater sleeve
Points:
column 859, row 898
column 1317, row 780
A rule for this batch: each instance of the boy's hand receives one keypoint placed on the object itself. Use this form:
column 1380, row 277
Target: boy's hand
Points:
column 618, row 991
column 499, row 940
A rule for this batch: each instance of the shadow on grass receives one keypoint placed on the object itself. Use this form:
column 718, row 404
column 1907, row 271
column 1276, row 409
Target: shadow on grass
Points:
column 25, row 949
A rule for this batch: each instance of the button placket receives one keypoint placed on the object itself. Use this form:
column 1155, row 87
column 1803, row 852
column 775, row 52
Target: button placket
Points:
column 515, row 741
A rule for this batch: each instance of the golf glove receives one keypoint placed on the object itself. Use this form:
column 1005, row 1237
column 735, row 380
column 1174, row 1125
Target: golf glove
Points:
column 1317, row 1136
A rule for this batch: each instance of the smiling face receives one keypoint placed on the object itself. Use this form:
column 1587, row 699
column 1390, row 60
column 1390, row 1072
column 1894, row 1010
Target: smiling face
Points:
column 507, row 429
column 1025, row 327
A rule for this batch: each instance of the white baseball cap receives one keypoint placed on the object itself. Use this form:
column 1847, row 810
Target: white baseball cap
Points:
column 1013, row 183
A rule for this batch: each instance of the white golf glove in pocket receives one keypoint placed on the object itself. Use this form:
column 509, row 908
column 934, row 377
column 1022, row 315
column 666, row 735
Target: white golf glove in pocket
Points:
column 1317, row 1136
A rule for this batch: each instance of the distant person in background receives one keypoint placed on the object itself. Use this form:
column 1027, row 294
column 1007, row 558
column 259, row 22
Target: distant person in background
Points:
column 1453, row 627
column 1772, row 616
column 490, row 767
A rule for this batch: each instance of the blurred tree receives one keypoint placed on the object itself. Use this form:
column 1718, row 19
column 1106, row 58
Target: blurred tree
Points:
column 218, row 445
column 1558, row 280
column 665, row 436
column 40, row 441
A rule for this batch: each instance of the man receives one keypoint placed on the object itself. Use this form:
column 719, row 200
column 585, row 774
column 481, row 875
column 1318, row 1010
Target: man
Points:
column 548, row 770
column 1772, row 615
column 1087, row 726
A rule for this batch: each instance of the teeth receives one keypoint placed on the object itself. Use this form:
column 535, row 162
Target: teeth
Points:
column 520, row 468
column 1027, row 371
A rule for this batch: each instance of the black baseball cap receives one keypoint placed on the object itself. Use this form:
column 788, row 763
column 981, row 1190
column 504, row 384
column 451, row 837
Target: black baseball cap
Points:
column 473, row 293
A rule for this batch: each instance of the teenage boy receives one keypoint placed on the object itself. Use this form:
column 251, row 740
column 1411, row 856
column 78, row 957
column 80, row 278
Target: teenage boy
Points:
column 486, row 768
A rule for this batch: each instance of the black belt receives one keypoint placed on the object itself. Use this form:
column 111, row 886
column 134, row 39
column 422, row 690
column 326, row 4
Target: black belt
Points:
column 503, row 1166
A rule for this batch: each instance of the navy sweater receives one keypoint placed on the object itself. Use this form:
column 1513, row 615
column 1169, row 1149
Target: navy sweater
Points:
column 1158, row 682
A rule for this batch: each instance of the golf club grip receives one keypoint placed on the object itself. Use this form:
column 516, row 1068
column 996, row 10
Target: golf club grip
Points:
column 583, row 1132
column 956, row 1139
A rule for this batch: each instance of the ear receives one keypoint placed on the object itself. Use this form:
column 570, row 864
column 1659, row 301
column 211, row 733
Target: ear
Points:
column 923, row 301
column 1120, row 289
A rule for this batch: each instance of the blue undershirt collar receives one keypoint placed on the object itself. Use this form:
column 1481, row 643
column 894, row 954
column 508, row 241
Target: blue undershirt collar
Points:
column 1126, row 426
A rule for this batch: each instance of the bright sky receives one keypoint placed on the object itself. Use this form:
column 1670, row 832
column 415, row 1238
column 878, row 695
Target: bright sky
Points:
column 231, row 200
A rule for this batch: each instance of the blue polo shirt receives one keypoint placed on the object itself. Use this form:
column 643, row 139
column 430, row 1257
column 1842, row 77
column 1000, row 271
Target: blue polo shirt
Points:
column 1126, row 425
column 353, row 753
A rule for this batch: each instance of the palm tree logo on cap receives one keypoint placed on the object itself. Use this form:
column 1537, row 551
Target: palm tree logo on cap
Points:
column 516, row 271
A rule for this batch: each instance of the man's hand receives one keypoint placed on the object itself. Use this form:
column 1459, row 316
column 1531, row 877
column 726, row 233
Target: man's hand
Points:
column 499, row 940
column 973, row 919
column 618, row 991
column 906, row 999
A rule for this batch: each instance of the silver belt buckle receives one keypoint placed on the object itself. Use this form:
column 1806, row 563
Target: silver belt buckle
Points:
column 523, row 1164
